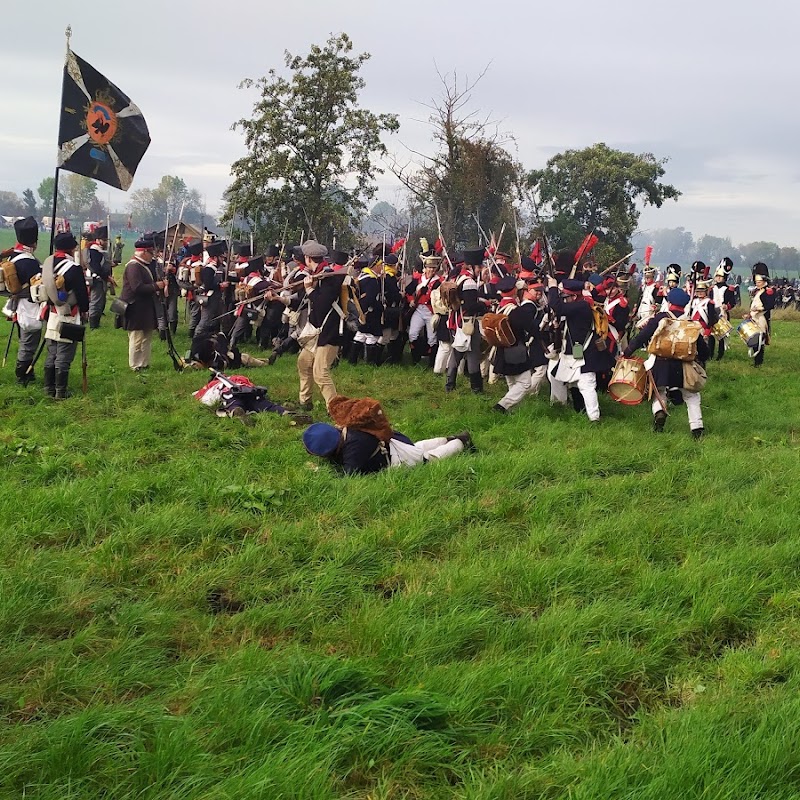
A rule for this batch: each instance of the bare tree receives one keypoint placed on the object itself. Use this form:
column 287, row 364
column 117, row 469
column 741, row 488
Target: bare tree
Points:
column 470, row 173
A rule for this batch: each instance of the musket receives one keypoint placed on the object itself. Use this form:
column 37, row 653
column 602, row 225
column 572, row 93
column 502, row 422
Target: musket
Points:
column 497, row 246
column 177, row 362
column 547, row 255
column 10, row 338
column 347, row 269
column 441, row 237
column 617, row 263
column 84, row 368
column 516, row 232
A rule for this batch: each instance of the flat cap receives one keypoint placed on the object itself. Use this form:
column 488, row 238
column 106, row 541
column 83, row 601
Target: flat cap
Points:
column 313, row 249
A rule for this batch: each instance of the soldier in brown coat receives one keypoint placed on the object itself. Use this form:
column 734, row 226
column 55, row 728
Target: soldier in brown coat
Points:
column 139, row 290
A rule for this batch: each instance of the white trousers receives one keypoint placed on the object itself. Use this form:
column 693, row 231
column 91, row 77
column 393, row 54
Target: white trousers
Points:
column 518, row 387
column 692, row 401
column 404, row 454
column 538, row 377
column 587, row 386
column 422, row 318
column 442, row 357
column 366, row 338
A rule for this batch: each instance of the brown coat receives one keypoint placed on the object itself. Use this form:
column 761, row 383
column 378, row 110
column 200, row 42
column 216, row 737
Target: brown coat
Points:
column 139, row 290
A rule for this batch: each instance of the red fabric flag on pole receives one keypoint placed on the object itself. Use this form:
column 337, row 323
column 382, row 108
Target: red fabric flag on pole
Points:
column 536, row 252
column 398, row 245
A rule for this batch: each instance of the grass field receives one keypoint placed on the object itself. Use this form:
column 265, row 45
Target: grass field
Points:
column 190, row 608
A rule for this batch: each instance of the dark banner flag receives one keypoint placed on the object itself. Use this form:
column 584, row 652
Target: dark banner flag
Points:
column 102, row 134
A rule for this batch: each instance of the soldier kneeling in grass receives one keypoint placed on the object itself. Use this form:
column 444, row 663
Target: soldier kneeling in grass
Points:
column 363, row 440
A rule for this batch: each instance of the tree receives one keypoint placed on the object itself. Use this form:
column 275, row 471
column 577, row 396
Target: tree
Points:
column 311, row 148
column 470, row 173
column 150, row 207
column 11, row 205
column 29, row 199
column 45, row 192
column 712, row 249
column 80, row 194
column 597, row 189
column 768, row 252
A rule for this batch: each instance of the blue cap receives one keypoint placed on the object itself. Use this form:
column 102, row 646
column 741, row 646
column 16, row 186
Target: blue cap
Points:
column 321, row 439
column 595, row 279
column 677, row 297
column 506, row 284
column 571, row 285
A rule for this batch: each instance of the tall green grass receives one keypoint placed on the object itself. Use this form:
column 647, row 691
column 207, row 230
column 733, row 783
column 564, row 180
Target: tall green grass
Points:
column 190, row 608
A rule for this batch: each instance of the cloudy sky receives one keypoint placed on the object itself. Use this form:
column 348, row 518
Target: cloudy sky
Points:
column 710, row 85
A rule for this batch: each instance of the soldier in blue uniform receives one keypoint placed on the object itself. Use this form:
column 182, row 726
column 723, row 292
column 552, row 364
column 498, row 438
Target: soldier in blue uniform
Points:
column 26, row 308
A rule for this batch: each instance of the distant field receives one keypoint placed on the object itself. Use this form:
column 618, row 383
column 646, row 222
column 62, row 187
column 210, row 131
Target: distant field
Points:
column 190, row 608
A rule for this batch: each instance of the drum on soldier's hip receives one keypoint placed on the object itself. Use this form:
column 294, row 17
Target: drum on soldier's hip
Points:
column 721, row 328
column 749, row 333
column 628, row 384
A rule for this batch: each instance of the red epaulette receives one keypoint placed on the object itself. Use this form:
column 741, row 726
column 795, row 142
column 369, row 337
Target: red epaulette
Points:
column 770, row 290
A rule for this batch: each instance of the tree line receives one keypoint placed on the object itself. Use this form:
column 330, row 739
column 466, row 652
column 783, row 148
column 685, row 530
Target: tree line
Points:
column 78, row 202
column 677, row 245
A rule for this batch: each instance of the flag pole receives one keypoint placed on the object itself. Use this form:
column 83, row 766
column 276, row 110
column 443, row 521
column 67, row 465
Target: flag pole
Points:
column 68, row 34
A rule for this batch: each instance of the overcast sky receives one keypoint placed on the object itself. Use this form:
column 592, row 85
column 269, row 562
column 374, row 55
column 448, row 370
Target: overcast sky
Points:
column 710, row 85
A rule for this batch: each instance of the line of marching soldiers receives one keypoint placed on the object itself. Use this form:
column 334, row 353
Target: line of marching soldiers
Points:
column 568, row 324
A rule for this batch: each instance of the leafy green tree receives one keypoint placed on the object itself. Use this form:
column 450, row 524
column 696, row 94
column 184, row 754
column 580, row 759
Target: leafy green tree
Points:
column 150, row 207
column 598, row 189
column 712, row 249
column 768, row 252
column 11, row 205
column 29, row 199
column 312, row 149
column 80, row 195
column 45, row 192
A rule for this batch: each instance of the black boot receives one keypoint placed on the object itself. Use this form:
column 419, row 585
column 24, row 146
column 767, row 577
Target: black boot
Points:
column 371, row 354
column 162, row 334
column 355, row 352
column 379, row 355
column 94, row 323
column 416, row 350
column 659, row 421
column 432, row 355
column 50, row 381
column 62, row 379
column 173, row 327
column 23, row 376
column 577, row 399
column 476, row 382
column 395, row 350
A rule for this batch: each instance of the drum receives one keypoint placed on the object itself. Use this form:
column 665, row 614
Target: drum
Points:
column 721, row 328
column 628, row 384
column 749, row 333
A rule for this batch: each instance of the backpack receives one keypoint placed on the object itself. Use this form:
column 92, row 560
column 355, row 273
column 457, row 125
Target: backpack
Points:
column 675, row 338
column 448, row 295
column 11, row 282
column 496, row 329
